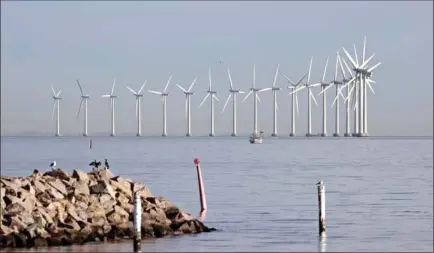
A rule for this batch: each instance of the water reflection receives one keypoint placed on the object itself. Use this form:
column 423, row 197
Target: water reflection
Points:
column 322, row 243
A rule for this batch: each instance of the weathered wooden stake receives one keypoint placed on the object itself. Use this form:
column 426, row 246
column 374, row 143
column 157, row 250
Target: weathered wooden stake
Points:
column 137, row 222
column 203, row 206
column 321, row 205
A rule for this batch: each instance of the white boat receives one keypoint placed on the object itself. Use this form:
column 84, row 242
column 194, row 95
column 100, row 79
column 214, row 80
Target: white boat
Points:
column 256, row 138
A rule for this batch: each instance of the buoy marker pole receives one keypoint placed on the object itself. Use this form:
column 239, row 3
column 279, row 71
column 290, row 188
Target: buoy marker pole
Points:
column 321, row 208
column 137, row 240
column 203, row 206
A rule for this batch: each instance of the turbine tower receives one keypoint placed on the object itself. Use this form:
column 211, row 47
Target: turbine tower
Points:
column 213, row 96
column 233, row 93
column 362, row 77
column 164, row 96
column 255, row 92
column 294, row 98
column 324, row 87
column 112, row 105
column 187, row 114
column 138, row 95
column 84, row 98
column 56, row 106
column 310, row 96
column 274, row 90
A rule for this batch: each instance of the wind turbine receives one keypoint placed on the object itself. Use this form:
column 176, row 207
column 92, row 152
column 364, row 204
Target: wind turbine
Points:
column 274, row 90
column 310, row 96
column 213, row 96
column 164, row 96
column 324, row 86
column 112, row 105
column 138, row 95
column 84, row 98
column 233, row 93
column 56, row 106
column 255, row 92
column 294, row 102
column 188, row 93
column 362, row 74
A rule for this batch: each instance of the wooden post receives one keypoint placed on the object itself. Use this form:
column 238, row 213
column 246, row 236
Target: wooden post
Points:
column 137, row 222
column 203, row 206
column 321, row 205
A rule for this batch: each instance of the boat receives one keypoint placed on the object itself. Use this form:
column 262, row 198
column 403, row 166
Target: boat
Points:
column 256, row 138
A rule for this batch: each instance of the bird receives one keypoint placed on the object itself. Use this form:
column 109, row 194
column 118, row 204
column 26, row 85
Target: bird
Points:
column 53, row 165
column 107, row 166
column 95, row 164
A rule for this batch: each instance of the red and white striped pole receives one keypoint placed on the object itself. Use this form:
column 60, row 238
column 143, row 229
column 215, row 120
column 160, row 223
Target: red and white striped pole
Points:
column 203, row 207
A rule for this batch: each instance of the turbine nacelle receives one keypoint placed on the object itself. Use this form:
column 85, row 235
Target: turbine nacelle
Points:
column 276, row 88
column 165, row 94
column 188, row 93
column 235, row 91
column 211, row 92
column 85, row 96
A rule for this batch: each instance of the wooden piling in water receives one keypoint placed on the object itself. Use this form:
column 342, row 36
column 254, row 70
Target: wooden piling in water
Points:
column 321, row 207
column 137, row 241
column 203, row 206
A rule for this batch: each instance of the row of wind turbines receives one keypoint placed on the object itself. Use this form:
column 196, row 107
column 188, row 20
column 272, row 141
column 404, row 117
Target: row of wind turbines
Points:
column 355, row 80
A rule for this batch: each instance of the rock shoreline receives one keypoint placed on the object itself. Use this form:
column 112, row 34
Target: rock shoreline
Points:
column 57, row 209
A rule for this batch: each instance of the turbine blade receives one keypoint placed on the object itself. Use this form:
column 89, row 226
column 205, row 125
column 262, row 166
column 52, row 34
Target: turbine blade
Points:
column 113, row 86
column 310, row 68
column 297, row 90
column 58, row 94
column 342, row 67
column 264, row 89
column 275, row 76
column 301, row 79
column 131, row 90
column 230, row 79
column 167, row 84
column 366, row 62
column 241, row 92
column 181, row 88
column 324, row 90
column 349, row 57
column 54, row 107
column 248, row 94
column 192, row 84
column 52, row 89
column 348, row 68
column 374, row 67
column 364, row 50
column 289, row 80
column 227, row 101
column 313, row 97
column 325, row 70
column 203, row 101
column 79, row 86
column 257, row 97
column 155, row 92
column 215, row 97
column 105, row 96
column 143, row 86
column 336, row 67
column 79, row 107
column 355, row 53
column 349, row 93
column 370, row 87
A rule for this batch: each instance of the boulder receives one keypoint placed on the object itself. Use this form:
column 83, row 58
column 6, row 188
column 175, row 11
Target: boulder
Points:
column 102, row 187
column 58, row 185
column 121, row 187
column 44, row 198
column 29, row 188
column 105, row 174
column 58, row 173
column 81, row 188
column 11, row 186
column 54, row 194
column 39, row 186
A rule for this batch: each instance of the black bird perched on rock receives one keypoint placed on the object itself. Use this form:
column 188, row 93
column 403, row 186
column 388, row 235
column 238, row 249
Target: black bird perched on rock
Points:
column 107, row 166
column 95, row 164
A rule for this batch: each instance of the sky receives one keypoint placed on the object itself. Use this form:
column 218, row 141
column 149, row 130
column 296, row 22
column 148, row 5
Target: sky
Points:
column 56, row 42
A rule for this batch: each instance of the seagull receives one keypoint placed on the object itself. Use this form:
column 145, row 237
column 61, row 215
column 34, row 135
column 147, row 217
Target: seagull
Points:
column 53, row 165
column 107, row 166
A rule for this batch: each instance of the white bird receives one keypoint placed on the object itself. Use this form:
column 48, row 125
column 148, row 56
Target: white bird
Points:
column 53, row 165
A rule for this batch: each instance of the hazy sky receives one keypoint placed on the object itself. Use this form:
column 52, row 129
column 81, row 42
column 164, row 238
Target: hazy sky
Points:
column 44, row 43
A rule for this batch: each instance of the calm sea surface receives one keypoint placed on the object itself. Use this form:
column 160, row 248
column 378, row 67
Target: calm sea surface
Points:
column 379, row 191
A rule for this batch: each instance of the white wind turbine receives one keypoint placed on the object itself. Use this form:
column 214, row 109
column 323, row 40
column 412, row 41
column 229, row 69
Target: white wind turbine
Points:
column 324, row 85
column 232, row 93
column 362, row 81
column 294, row 98
column 56, row 106
column 164, row 96
column 112, row 105
column 213, row 96
column 138, row 95
column 310, row 96
column 274, row 89
column 84, row 98
column 188, row 93
column 255, row 92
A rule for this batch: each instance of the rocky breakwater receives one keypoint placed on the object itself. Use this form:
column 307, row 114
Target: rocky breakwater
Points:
column 60, row 209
